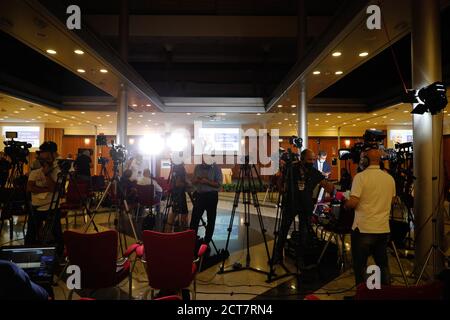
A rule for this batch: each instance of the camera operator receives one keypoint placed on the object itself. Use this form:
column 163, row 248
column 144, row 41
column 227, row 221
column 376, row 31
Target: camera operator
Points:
column 5, row 166
column 83, row 166
column 306, row 178
column 372, row 193
column 207, row 182
column 41, row 184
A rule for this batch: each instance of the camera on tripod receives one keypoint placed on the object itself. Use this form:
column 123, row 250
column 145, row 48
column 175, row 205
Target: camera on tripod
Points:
column 18, row 151
column 118, row 153
column 103, row 161
column 65, row 164
column 373, row 139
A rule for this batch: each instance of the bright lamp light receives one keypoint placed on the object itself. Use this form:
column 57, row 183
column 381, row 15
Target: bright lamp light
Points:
column 152, row 144
column 177, row 142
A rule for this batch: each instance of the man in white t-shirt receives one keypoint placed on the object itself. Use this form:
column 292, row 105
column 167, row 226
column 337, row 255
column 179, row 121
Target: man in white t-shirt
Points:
column 373, row 191
column 41, row 184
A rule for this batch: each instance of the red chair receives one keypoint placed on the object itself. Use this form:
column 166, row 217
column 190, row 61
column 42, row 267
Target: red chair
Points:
column 96, row 255
column 432, row 291
column 77, row 197
column 145, row 195
column 169, row 260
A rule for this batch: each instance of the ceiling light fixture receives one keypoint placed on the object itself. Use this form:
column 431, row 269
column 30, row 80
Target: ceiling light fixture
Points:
column 363, row 54
column 337, row 54
column 79, row 52
column 338, row 73
column 51, row 51
column 316, row 73
column 81, row 71
column 103, row 71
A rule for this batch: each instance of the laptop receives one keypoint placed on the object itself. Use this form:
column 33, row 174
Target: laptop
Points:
column 37, row 261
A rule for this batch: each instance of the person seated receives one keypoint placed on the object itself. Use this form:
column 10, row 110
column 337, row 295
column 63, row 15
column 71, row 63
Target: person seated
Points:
column 128, row 187
column 16, row 285
column 346, row 180
column 146, row 180
column 83, row 166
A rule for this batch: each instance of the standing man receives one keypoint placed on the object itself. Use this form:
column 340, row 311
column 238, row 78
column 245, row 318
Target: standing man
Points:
column 83, row 166
column 207, row 182
column 322, row 165
column 305, row 179
column 372, row 193
column 41, row 184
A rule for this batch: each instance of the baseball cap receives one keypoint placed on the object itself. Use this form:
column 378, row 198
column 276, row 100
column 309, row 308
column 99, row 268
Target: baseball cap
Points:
column 48, row 146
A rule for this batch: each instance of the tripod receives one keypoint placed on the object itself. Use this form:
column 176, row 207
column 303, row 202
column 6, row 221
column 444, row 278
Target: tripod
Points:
column 104, row 172
column 59, row 190
column 285, row 207
column 116, row 182
column 247, row 186
column 15, row 195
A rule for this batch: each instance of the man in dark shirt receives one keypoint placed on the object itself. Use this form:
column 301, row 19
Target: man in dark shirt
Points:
column 305, row 179
column 83, row 166
column 5, row 166
column 16, row 285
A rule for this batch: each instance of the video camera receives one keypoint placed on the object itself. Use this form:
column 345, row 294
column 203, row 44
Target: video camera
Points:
column 118, row 153
column 373, row 139
column 65, row 164
column 18, row 151
column 103, row 161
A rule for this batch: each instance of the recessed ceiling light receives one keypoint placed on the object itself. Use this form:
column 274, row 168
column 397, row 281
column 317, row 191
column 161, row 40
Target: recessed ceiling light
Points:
column 406, row 111
column 134, row 105
column 327, row 121
column 98, row 118
column 444, row 111
column 78, row 51
column 39, row 117
column 293, row 106
column 16, row 112
column 368, row 121
column 108, row 115
column 279, row 122
column 317, row 125
column 141, row 116
column 149, row 105
column 149, row 120
column 354, row 125
column 130, row 118
column 103, row 71
column 54, row 112
column 375, row 114
column 358, row 119
column 339, row 117
column 345, row 122
column 46, row 115
column 153, row 113
column 82, row 112
column 328, row 114
column 23, row 109
column 286, row 119
column 6, row 117
column 338, row 73
column 258, row 114
column 280, row 106
column 64, row 119
column 384, row 117
column 363, row 54
column 294, row 114
column 88, row 121
column 188, row 113
column 81, row 70
column 337, row 54
column 392, row 119
column 51, row 51
column 72, row 117
column 57, row 121
column 316, row 73
column 317, row 119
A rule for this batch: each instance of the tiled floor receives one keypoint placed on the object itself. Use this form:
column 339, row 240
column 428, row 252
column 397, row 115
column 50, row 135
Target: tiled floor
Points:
column 242, row 285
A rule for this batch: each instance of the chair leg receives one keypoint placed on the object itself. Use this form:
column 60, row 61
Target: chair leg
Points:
column 325, row 248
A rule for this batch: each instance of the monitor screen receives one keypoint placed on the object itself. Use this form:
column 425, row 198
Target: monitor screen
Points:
column 212, row 140
column 27, row 134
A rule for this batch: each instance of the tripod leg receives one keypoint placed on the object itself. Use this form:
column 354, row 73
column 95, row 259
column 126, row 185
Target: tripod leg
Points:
column 400, row 265
column 425, row 264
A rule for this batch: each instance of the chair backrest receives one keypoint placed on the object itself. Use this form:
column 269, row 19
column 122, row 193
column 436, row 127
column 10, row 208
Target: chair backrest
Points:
column 164, row 184
column 146, row 195
column 95, row 254
column 432, row 291
column 169, row 258
column 77, row 192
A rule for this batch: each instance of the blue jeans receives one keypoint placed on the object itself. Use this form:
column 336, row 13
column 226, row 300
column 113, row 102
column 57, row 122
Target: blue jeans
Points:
column 365, row 245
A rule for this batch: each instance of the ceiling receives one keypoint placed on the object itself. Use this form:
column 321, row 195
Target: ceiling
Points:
column 205, row 57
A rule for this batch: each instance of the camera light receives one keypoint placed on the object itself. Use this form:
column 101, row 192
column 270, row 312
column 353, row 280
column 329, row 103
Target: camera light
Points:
column 87, row 141
column 152, row 144
column 347, row 143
